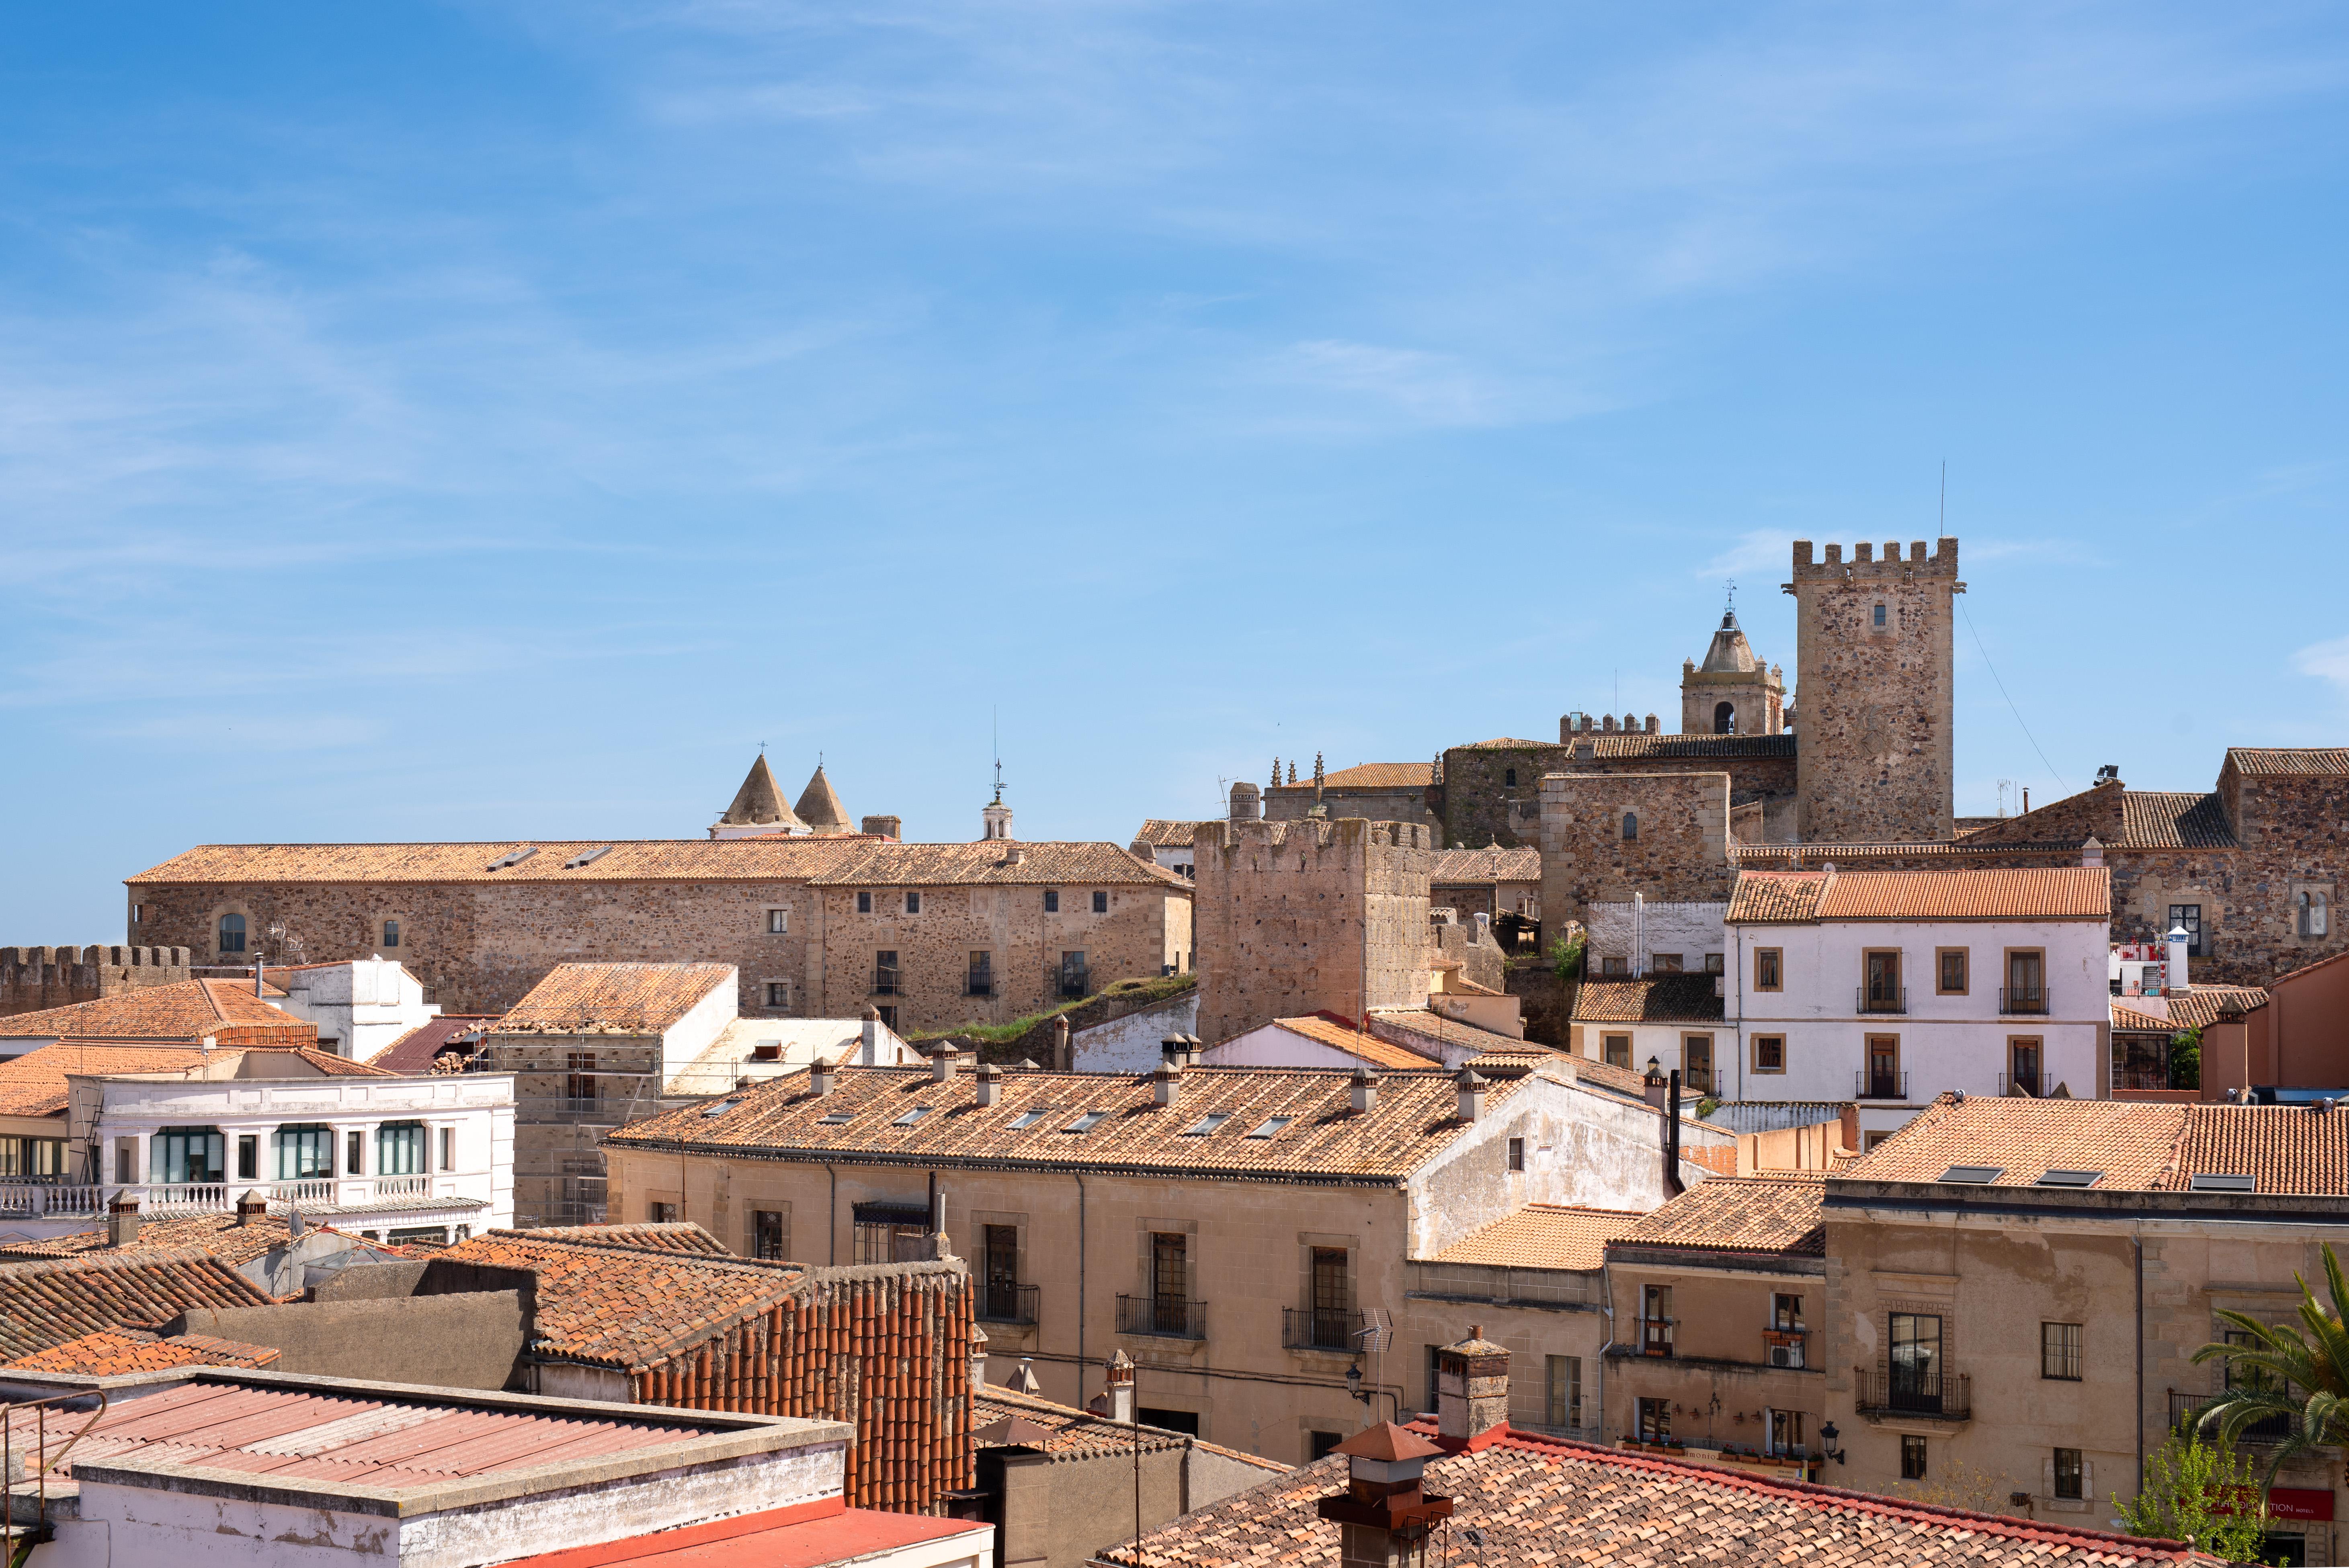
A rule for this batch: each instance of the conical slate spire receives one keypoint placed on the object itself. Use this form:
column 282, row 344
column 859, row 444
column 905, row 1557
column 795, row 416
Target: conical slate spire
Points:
column 819, row 806
column 759, row 801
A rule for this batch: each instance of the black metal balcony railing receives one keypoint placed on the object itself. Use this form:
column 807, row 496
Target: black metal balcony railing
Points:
column 1697, row 1079
column 980, row 986
column 1866, row 1084
column 1168, row 1316
column 1949, row 1394
column 1002, row 1301
column 1655, row 1335
column 2014, row 1000
column 1882, row 999
column 2038, row 1085
column 2185, row 1408
column 1075, row 982
column 1320, row 1328
column 884, row 982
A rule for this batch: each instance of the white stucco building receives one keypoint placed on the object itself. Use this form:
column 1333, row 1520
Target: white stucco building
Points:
column 1887, row 988
column 358, row 1006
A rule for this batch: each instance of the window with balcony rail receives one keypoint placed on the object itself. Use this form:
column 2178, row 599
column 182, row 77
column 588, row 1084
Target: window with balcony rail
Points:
column 982, row 974
column 884, row 974
column 1656, row 1321
column 2026, row 984
column 186, row 1154
column 1074, row 977
column 1880, row 989
column 399, row 1149
column 304, row 1151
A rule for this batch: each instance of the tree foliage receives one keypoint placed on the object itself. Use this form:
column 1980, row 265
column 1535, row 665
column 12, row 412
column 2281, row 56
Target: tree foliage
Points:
column 2199, row 1491
column 2186, row 1060
column 1566, row 956
column 2297, row 1378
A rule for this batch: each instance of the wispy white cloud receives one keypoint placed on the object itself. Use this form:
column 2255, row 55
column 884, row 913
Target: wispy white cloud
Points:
column 2326, row 661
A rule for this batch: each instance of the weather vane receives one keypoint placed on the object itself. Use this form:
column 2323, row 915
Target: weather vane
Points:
column 1733, row 593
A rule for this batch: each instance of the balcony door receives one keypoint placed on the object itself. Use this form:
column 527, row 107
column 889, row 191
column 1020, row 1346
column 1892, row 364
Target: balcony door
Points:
column 1916, row 1362
column 2025, row 1065
column 1332, row 1298
column 1696, row 1063
column 1883, row 991
column 1170, row 1280
column 1883, row 1066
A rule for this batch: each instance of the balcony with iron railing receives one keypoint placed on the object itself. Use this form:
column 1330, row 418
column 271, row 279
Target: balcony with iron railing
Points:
column 2033, row 1086
column 2186, row 1408
column 1320, row 1328
column 1004, row 1301
column 1076, row 982
column 1654, row 1335
column 2017, row 1001
column 1868, row 1084
column 1165, row 1316
column 1881, row 999
column 885, row 981
column 1938, row 1396
column 979, row 985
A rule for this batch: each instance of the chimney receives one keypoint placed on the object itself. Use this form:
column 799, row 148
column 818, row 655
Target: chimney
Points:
column 1472, row 1392
column 1384, row 1514
column 942, row 1063
column 1672, row 1188
column 820, row 1074
column 989, row 1079
column 2173, row 973
column 1366, row 1088
column 1165, row 1084
column 122, row 1220
column 1246, row 802
column 252, row 1207
column 1653, row 1086
column 1061, row 1060
column 1117, row 1399
column 256, row 977
column 2092, row 853
column 977, row 1359
column 1023, row 1379
column 869, row 1056
column 1472, row 1095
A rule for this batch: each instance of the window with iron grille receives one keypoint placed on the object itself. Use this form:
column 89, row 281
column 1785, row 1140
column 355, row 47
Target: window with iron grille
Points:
column 982, row 974
column 2067, row 1473
column 767, row 1233
column 661, row 1213
column 1051, row 901
column 1912, row 1457
column 1170, row 1280
column 1001, row 1248
column 2188, row 915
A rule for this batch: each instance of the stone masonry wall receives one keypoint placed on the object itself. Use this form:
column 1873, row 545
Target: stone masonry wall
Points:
column 1873, row 702
column 1290, row 804
column 1299, row 917
column 34, row 978
column 1680, row 855
column 1481, row 807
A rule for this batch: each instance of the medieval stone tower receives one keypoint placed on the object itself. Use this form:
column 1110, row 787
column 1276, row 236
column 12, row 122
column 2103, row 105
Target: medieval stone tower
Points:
column 1873, row 671
column 1731, row 692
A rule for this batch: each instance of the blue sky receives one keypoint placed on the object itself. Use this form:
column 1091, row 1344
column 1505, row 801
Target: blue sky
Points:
column 483, row 420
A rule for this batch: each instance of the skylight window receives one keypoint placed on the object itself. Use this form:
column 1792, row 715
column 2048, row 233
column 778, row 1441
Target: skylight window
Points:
column 1973, row 1175
column 1207, row 1124
column 2069, row 1178
column 1086, row 1122
column 2214, row 1181
column 721, row 1108
column 1272, row 1124
column 586, row 858
column 511, row 857
column 835, row 1118
column 911, row 1116
column 1027, row 1118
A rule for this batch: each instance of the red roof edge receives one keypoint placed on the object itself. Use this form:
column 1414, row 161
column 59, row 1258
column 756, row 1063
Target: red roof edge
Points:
column 636, row 1546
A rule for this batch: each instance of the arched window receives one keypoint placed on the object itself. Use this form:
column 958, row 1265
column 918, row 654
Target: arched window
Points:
column 2312, row 911
column 391, row 933
column 231, row 933
column 1724, row 718
column 1631, row 824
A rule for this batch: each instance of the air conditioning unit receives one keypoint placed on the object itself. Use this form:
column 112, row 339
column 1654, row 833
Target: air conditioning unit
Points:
column 1786, row 1355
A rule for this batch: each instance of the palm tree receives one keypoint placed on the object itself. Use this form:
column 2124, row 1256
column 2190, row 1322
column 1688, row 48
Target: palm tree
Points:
column 2295, row 1377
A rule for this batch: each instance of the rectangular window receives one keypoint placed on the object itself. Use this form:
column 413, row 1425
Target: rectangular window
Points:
column 2188, row 915
column 1562, row 1390
column 448, row 1149
column 185, row 1154
column 391, row 933
column 2067, row 1473
column 888, row 1018
column 1434, row 1353
column 779, row 992
column 982, row 974
column 355, row 1153
column 661, row 1213
column 1912, row 1457
column 1612, row 966
column 913, row 902
column 1880, row 990
column 1916, row 1363
column 1787, row 1433
column 1769, row 1053
column 1075, row 977
column 1618, row 1049
column 1714, row 964
column 893, row 1241
column 1882, row 1079
column 2026, row 982
column 1000, row 1250
column 304, row 1152
column 1656, row 1320
column 1333, row 1327
column 1655, row 1420
column 1769, row 969
column 778, row 922
column 1950, row 971
column 885, row 982
column 248, row 1156
column 2059, row 1351
column 1696, row 1063
column 1320, row 1445
column 1785, row 1312
column 865, row 901
column 579, row 1076
column 1100, row 903
column 399, row 1149
column 1516, row 1153
column 2026, row 1066
column 767, row 1235
column 1051, row 901
column 1170, row 1280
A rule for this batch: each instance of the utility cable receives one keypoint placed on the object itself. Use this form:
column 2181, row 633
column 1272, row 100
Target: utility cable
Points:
column 2009, row 701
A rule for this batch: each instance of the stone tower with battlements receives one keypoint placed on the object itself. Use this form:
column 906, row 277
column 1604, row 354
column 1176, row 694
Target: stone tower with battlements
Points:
column 1873, row 646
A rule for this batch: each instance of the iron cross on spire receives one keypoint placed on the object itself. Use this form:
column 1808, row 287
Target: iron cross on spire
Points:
column 1732, row 594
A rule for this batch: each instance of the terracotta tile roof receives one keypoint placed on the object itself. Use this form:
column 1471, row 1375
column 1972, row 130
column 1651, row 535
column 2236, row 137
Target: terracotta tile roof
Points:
column 218, row 1234
column 2131, row 1143
column 1503, row 743
column 1376, row 1052
column 1543, row 1236
column 1783, row 1213
column 2126, row 1017
column 2285, row 1148
column 2059, row 892
column 764, row 858
column 1077, row 1434
column 624, row 1306
column 2200, row 1006
column 1434, row 1025
column 1160, row 832
column 1414, row 1119
column 1629, row 1082
column 1370, row 776
column 35, row 1083
column 639, row 997
column 1541, row 1504
column 2301, row 760
column 1460, row 868
column 1661, row 746
column 413, row 1051
column 985, row 863
column 1649, row 999
column 673, row 1236
column 185, row 1009
column 109, row 1352
column 49, row 1301
column 2173, row 820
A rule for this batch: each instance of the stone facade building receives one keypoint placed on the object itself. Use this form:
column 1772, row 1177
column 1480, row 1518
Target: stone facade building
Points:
column 1606, row 836
column 1376, row 791
column 806, row 920
column 1731, row 692
column 34, row 979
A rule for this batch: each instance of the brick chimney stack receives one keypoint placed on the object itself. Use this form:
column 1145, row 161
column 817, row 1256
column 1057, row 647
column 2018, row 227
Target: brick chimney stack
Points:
column 1063, row 1059
column 1472, row 1087
column 990, row 1082
column 1385, row 1512
column 1472, row 1392
column 252, row 1207
column 1167, row 1084
column 1365, row 1088
column 1117, row 1399
column 122, row 1220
